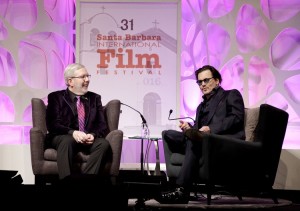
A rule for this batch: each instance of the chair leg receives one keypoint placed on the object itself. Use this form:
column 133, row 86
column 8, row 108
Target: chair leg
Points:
column 275, row 200
column 208, row 192
column 238, row 194
column 45, row 179
column 39, row 180
column 269, row 192
column 239, row 197
column 273, row 196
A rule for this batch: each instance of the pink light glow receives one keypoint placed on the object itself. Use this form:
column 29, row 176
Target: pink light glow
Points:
column 8, row 73
column 280, row 11
column 261, row 80
column 285, row 49
column 232, row 73
column 217, row 9
column 264, row 66
column 60, row 11
column 49, row 53
column 3, row 31
column 218, row 42
column 14, row 134
column 42, row 57
column 22, row 15
column 7, row 109
column 251, row 31
column 265, row 83
column 292, row 86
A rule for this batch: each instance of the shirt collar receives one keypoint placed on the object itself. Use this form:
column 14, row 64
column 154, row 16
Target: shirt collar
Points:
column 72, row 95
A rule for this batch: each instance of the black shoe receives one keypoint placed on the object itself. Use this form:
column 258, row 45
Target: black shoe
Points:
column 178, row 196
column 193, row 134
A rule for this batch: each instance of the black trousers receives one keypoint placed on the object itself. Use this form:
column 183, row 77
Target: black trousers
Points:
column 67, row 148
column 178, row 143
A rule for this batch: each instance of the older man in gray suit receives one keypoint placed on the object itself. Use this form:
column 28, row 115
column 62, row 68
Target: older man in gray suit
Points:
column 63, row 122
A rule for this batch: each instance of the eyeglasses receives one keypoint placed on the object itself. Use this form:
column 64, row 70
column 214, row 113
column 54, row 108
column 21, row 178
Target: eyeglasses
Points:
column 83, row 77
column 205, row 80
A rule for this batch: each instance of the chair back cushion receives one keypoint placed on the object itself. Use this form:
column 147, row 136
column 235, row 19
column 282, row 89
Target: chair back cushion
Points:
column 251, row 120
column 112, row 114
column 270, row 132
column 39, row 114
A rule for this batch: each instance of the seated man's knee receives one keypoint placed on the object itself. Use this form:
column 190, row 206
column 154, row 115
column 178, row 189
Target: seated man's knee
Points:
column 172, row 134
column 103, row 143
column 68, row 140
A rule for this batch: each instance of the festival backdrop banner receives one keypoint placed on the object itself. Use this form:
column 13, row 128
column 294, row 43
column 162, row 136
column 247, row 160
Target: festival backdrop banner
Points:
column 131, row 50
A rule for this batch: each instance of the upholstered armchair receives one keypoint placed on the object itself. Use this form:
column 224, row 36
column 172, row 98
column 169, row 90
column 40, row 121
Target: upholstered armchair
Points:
column 43, row 160
column 239, row 166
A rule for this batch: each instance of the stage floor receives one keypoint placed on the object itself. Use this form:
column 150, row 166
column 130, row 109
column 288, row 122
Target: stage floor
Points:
column 222, row 203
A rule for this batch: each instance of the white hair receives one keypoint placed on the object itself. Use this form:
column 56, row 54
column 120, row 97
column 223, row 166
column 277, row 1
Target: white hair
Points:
column 70, row 70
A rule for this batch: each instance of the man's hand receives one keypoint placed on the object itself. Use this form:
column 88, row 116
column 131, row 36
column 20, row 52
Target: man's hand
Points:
column 205, row 129
column 82, row 137
column 89, row 139
column 184, row 125
column 79, row 136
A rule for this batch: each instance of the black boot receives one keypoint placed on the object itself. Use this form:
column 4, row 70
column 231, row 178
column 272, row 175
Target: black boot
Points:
column 177, row 196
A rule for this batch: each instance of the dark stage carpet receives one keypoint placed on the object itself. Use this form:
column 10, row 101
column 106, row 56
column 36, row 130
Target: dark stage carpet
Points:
column 87, row 193
column 220, row 203
column 109, row 198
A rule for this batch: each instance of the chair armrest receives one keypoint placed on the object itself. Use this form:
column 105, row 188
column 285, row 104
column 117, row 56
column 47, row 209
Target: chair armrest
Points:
column 37, row 147
column 115, row 138
column 221, row 145
column 222, row 155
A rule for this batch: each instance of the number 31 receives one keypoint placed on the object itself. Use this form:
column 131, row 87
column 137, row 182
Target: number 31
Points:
column 126, row 24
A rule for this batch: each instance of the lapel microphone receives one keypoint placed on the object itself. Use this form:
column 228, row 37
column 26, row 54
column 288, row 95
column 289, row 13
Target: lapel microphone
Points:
column 84, row 97
column 171, row 111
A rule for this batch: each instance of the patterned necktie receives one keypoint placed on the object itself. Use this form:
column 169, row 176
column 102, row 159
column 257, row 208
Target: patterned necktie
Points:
column 81, row 113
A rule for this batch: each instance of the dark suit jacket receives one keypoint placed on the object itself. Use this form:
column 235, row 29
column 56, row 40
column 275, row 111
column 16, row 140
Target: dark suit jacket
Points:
column 226, row 113
column 62, row 118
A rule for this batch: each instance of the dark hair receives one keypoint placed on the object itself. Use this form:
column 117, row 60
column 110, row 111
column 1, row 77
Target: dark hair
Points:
column 215, row 73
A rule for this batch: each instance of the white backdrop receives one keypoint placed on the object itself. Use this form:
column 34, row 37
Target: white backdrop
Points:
column 132, row 54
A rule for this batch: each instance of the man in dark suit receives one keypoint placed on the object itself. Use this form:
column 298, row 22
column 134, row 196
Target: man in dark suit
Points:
column 63, row 123
column 220, row 112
